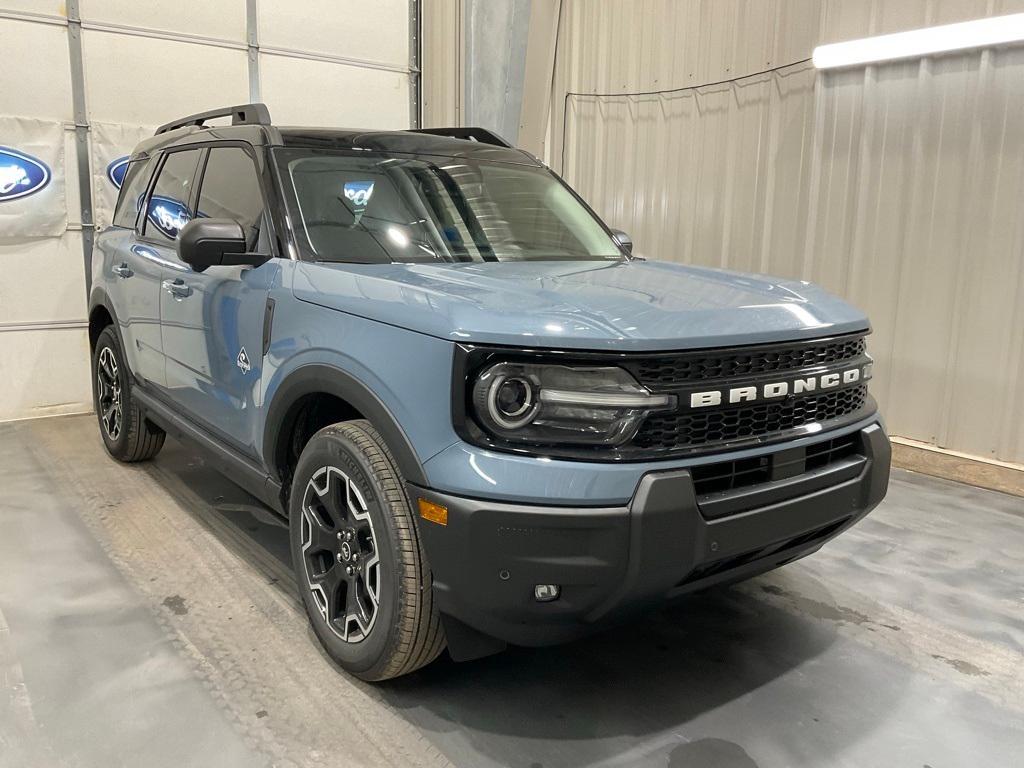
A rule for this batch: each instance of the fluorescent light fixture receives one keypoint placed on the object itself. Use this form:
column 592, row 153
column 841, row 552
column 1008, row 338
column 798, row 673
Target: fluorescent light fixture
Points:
column 980, row 33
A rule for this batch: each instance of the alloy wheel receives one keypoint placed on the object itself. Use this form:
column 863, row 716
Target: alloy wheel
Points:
column 108, row 391
column 339, row 554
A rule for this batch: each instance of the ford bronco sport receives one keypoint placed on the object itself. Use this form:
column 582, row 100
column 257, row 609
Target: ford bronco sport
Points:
column 485, row 420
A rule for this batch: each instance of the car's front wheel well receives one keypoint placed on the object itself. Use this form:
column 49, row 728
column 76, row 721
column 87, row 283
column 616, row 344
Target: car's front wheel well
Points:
column 304, row 418
column 99, row 319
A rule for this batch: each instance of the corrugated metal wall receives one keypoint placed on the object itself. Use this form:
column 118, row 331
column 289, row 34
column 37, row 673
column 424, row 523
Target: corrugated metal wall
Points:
column 899, row 186
column 442, row 84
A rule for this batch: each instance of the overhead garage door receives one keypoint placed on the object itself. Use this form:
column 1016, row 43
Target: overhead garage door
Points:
column 82, row 82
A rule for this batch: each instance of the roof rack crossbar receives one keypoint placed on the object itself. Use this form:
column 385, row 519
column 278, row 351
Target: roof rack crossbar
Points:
column 481, row 135
column 241, row 114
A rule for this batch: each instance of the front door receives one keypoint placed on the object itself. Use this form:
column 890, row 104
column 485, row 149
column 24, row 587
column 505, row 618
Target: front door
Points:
column 134, row 286
column 213, row 321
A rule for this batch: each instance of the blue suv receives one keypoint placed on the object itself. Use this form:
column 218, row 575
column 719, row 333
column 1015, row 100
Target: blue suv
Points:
column 485, row 420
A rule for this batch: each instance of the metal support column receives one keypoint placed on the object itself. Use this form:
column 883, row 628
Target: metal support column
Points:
column 415, row 57
column 253, row 48
column 81, row 136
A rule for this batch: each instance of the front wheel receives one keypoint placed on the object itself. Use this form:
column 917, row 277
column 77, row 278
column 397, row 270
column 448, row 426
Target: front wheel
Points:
column 359, row 563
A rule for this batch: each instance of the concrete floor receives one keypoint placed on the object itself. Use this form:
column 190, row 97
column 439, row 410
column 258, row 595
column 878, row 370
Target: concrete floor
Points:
column 148, row 618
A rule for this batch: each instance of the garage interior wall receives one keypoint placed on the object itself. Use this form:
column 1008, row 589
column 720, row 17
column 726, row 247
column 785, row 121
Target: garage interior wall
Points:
column 701, row 127
column 144, row 64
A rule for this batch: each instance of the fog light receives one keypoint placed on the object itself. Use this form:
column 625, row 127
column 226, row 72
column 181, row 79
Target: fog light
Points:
column 545, row 593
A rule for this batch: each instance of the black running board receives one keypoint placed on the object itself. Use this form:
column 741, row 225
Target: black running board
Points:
column 239, row 469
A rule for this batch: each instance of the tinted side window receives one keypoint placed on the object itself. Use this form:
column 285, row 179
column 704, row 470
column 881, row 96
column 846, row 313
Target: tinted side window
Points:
column 231, row 190
column 168, row 209
column 136, row 177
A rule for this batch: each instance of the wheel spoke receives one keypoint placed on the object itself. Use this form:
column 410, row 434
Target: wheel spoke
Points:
column 327, row 579
column 322, row 536
column 354, row 603
column 336, row 499
column 108, row 367
column 323, row 540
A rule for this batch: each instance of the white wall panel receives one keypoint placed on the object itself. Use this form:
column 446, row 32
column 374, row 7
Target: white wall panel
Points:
column 42, row 7
column 375, row 31
column 142, row 80
column 47, row 374
column 34, row 78
column 898, row 186
column 222, row 19
column 43, row 282
column 354, row 97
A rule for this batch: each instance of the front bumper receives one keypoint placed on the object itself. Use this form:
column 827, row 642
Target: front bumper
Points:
column 609, row 561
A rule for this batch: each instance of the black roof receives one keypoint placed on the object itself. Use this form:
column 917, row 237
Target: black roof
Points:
column 400, row 142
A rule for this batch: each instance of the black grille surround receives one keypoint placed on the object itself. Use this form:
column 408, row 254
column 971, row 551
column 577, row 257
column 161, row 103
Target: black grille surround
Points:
column 686, row 431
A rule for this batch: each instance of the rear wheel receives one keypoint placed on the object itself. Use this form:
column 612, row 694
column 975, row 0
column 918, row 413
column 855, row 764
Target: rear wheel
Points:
column 127, row 435
column 360, row 567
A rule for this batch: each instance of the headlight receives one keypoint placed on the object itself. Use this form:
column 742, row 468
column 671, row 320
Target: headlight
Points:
column 539, row 403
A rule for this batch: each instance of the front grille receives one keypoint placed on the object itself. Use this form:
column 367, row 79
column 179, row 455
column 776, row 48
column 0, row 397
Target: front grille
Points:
column 730, row 475
column 745, row 422
column 721, row 477
column 822, row 454
column 680, row 368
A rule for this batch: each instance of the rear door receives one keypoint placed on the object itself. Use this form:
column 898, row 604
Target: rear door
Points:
column 213, row 321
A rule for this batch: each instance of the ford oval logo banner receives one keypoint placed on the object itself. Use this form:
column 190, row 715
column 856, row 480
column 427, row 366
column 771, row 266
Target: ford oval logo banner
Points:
column 21, row 175
column 116, row 171
column 168, row 215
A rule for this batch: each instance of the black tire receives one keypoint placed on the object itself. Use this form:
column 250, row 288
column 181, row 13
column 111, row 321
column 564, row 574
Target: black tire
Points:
column 127, row 435
column 360, row 567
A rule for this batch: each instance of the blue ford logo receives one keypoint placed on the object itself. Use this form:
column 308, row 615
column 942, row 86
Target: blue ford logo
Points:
column 168, row 215
column 20, row 174
column 116, row 171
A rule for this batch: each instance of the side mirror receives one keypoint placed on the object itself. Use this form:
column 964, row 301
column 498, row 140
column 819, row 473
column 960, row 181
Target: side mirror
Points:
column 625, row 241
column 205, row 243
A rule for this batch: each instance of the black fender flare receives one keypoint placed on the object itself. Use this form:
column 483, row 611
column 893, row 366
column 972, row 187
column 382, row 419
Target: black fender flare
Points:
column 315, row 377
column 99, row 298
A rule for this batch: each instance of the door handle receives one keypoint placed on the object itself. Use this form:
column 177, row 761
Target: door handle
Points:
column 177, row 288
column 122, row 270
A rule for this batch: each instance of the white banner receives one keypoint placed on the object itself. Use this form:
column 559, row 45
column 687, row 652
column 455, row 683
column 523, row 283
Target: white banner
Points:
column 32, row 199
column 112, row 144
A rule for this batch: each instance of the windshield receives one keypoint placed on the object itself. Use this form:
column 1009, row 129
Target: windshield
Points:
column 382, row 208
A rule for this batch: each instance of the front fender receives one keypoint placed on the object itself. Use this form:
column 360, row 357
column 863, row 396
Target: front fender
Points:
column 398, row 379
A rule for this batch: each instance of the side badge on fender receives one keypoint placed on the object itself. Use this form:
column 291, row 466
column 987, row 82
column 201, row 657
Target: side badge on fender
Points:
column 243, row 361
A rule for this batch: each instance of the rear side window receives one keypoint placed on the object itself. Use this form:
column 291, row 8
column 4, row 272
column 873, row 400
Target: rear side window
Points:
column 168, row 209
column 133, row 188
column 231, row 190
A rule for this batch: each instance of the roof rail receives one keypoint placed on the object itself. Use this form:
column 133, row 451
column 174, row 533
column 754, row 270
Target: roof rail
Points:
column 481, row 135
column 242, row 114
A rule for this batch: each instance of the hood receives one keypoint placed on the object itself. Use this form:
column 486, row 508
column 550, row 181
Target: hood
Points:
column 635, row 305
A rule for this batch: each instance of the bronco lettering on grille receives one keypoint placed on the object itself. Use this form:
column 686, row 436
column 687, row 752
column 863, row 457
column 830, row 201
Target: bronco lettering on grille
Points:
column 776, row 390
